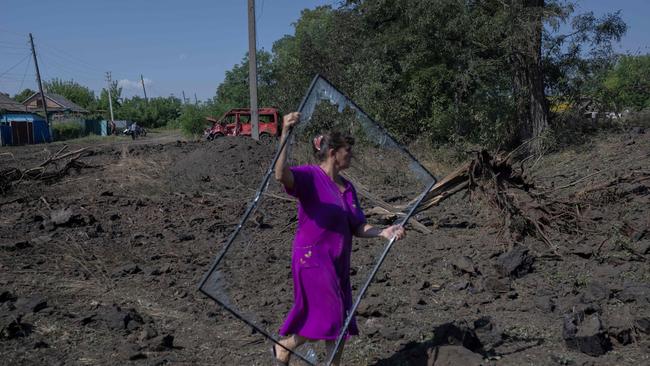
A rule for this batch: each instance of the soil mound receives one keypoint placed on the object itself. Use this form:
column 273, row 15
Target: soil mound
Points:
column 100, row 265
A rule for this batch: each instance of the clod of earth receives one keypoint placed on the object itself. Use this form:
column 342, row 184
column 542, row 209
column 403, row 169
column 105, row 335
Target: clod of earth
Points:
column 586, row 334
column 516, row 263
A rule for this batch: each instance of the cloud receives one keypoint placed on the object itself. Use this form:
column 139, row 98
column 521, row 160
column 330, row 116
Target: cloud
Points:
column 133, row 84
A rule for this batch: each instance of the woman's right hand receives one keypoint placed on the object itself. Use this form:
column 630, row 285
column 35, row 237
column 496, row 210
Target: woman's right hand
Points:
column 289, row 120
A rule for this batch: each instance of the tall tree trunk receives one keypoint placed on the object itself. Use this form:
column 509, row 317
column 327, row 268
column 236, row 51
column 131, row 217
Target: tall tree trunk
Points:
column 528, row 78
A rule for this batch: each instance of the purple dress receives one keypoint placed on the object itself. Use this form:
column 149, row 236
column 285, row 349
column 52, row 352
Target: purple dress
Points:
column 320, row 262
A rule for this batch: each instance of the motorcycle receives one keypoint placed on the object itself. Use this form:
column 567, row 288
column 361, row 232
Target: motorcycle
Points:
column 139, row 132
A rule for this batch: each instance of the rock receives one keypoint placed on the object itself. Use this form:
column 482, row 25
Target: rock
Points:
column 13, row 327
column 32, row 304
column 642, row 247
column 67, row 217
column 41, row 344
column 132, row 352
column 7, row 296
column 391, row 334
column 488, row 333
column 373, row 307
column 639, row 293
column 642, row 324
column 497, row 285
column 127, row 270
column 583, row 251
column 44, row 239
column 464, row 264
column 516, row 263
column 594, row 292
column 620, row 327
column 148, row 332
column 585, row 334
column 453, row 356
column 61, row 217
column 457, row 333
column 638, row 189
column 17, row 245
column 458, row 285
column 185, row 237
column 544, row 303
column 161, row 343
column 118, row 319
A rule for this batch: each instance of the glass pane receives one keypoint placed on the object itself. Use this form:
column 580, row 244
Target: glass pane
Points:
column 387, row 179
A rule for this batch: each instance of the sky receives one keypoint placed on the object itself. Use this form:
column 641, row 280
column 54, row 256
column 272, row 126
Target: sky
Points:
column 176, row 46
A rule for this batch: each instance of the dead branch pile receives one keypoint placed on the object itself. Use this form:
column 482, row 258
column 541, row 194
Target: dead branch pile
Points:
column 50, row 169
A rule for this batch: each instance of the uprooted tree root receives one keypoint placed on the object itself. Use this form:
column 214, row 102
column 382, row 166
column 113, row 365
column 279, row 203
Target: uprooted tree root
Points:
column 48, row 170
column 524, row 210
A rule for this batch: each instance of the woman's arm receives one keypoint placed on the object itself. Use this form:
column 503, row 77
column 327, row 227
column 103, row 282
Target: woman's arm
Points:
column 282, row 172
column 369, row 231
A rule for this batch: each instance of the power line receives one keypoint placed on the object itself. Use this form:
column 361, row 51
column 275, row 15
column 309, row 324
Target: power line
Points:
column 14, row 66
column 68, row 57
column 25, row 74
column 67, row 70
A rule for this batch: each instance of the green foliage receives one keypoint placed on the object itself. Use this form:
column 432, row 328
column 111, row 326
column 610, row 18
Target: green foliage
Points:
column 192, row 120
column 72, row 91
column 456, row 71
column 627, row 85
column 23, row 95
column 67, row 131
column 234, row 91
column 154, row 113
column 103, row 105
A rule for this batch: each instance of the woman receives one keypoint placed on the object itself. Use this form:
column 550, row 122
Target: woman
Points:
column 328, row 215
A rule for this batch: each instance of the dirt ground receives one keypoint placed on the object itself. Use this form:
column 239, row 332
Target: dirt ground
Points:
column 101, row 266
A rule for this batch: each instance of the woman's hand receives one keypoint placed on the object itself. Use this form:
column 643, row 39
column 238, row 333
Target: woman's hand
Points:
column 289, row 120
column 396, row 231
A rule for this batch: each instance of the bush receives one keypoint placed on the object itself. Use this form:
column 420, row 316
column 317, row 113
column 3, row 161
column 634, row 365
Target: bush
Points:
column 192, row 120
column 67, row 131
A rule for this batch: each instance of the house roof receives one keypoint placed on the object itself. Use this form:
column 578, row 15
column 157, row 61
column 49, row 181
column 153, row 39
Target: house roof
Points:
column 11, row 105
column 60, row 100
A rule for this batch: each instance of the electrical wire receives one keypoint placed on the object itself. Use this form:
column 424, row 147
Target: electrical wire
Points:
column 14, row 66
column 68, row 58
column 25, row 74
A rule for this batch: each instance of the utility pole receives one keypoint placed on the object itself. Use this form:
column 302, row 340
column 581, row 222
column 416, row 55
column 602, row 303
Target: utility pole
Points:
column 110, row 98
column 196, row 101
column 252, row 70
column 143, row 89
column 40, row 84
column 184, row 100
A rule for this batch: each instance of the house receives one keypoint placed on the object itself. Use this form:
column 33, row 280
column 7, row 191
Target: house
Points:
column 58, row 107
column 18, row 126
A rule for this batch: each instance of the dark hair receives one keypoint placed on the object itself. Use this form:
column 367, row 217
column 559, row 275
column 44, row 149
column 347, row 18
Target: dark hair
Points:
column 332, row 140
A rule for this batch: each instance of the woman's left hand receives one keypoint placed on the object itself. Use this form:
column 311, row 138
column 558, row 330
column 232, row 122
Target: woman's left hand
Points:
column 396, row 231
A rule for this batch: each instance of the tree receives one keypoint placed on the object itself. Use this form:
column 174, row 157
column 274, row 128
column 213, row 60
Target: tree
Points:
column 234, row 91
column 23, row 95
column 72, row 91
column 627, row 85
column 102, row 103
column 575, row 63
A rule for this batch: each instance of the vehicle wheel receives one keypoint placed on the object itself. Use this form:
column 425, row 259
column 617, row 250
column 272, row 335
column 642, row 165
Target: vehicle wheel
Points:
column 210, row 137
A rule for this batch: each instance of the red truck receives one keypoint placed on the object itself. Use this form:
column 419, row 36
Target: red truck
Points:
column 236, row 122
